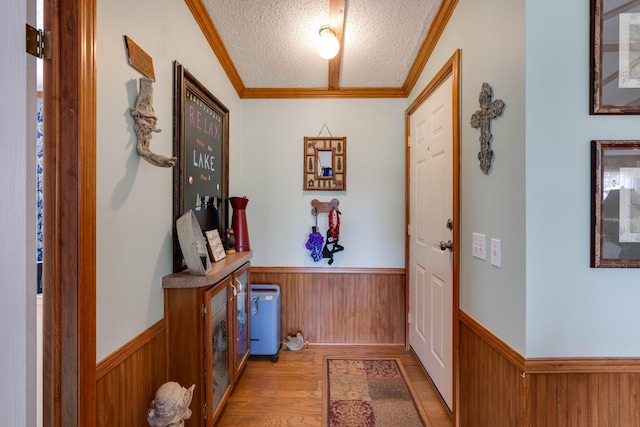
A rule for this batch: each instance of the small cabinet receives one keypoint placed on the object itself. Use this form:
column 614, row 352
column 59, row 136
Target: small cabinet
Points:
column 208, row 333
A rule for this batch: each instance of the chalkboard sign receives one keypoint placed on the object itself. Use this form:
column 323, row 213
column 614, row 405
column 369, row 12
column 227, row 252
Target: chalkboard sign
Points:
column 201, row 143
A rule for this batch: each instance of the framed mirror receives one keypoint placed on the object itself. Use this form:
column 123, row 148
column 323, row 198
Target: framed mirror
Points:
column 615, row 204
column 325, row 163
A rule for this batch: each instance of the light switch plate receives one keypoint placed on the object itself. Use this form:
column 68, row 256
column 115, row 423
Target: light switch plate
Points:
column 479, row 249
column 496, row 253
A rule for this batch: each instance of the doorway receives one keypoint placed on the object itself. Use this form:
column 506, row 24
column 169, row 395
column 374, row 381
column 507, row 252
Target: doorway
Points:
column 69, row 280
column 69, row 360
column 433, row 227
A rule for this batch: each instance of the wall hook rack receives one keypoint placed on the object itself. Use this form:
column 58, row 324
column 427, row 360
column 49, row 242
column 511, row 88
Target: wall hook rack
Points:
column 323, row 207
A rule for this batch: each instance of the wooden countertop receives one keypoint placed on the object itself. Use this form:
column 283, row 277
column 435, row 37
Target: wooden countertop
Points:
column 219, row 270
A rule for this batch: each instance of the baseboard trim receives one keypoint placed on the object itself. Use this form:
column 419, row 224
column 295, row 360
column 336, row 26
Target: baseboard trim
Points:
column 354, row 344
column 320, row 270
column 581, row 365
column 118, row 356
column 556, row 365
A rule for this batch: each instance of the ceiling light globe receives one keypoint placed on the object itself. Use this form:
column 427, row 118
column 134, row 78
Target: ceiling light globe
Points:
column 328, row 44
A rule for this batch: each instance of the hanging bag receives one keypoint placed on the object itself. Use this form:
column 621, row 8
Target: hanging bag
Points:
column 333, row 235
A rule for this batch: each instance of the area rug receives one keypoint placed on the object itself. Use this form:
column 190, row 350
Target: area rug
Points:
column 369, row 393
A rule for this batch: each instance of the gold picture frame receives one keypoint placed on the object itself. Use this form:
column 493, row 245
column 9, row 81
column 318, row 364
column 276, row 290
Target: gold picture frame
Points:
column 325, row 163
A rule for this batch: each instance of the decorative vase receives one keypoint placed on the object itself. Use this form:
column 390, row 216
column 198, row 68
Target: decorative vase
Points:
column 239, row 223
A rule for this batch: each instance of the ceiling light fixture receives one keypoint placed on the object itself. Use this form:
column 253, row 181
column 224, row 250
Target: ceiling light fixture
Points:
column 328, row 44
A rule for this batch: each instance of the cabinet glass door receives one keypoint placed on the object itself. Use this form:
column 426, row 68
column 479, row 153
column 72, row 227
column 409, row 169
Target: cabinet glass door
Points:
column 217, row 370
column 241, row 283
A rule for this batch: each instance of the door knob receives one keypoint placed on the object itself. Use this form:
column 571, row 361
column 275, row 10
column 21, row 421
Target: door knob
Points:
column 447, row 245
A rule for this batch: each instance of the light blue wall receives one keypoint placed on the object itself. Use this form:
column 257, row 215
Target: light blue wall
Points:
column 134, row 198
column 490, row 34
column 545, row 301
column 279, row 211
column 572, row 309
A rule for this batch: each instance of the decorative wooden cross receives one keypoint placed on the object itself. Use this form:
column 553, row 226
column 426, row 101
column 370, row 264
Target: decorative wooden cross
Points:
column 482, row 119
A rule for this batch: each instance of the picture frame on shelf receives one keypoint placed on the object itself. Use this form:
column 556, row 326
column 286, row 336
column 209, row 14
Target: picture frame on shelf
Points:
column 201, row 144
column 615, row 204
column 215, row 245
column 615, row 62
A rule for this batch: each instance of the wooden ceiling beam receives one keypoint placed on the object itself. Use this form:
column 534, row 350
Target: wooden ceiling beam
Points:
column 345, row 92
column 336, row 22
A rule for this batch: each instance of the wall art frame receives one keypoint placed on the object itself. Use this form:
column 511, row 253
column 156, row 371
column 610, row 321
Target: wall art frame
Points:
column 201, row 143
column 615, row 64
column 615, row 204
column 325, row 163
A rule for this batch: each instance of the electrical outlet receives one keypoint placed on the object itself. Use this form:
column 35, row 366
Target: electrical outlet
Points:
column 479, row 249
column 496, row 253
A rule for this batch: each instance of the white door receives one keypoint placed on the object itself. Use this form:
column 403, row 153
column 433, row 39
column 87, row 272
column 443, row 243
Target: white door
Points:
column 431, row 209
column 17, row 217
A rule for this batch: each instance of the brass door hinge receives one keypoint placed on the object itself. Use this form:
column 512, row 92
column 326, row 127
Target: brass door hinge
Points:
column 38, row 42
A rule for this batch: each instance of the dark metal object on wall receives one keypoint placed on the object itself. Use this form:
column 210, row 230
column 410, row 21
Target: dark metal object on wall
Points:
column 481, row 119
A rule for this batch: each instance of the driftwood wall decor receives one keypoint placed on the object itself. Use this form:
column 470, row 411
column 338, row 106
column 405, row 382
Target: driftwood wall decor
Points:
column 145, row 124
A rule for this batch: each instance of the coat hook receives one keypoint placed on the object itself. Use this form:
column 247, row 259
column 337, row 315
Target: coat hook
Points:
column 323, row 207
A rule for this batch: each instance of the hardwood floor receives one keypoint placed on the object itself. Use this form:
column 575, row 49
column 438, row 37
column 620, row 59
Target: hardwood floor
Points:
column 289, row 392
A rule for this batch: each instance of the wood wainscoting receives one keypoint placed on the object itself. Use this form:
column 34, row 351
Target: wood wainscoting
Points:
column 584, row 392
column 127, row 380
column 339, row 305
column 491, row 387
column 330, row 306
column 498, row 387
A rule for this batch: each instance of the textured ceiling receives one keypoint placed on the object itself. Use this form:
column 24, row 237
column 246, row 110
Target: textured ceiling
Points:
column 271, row 43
